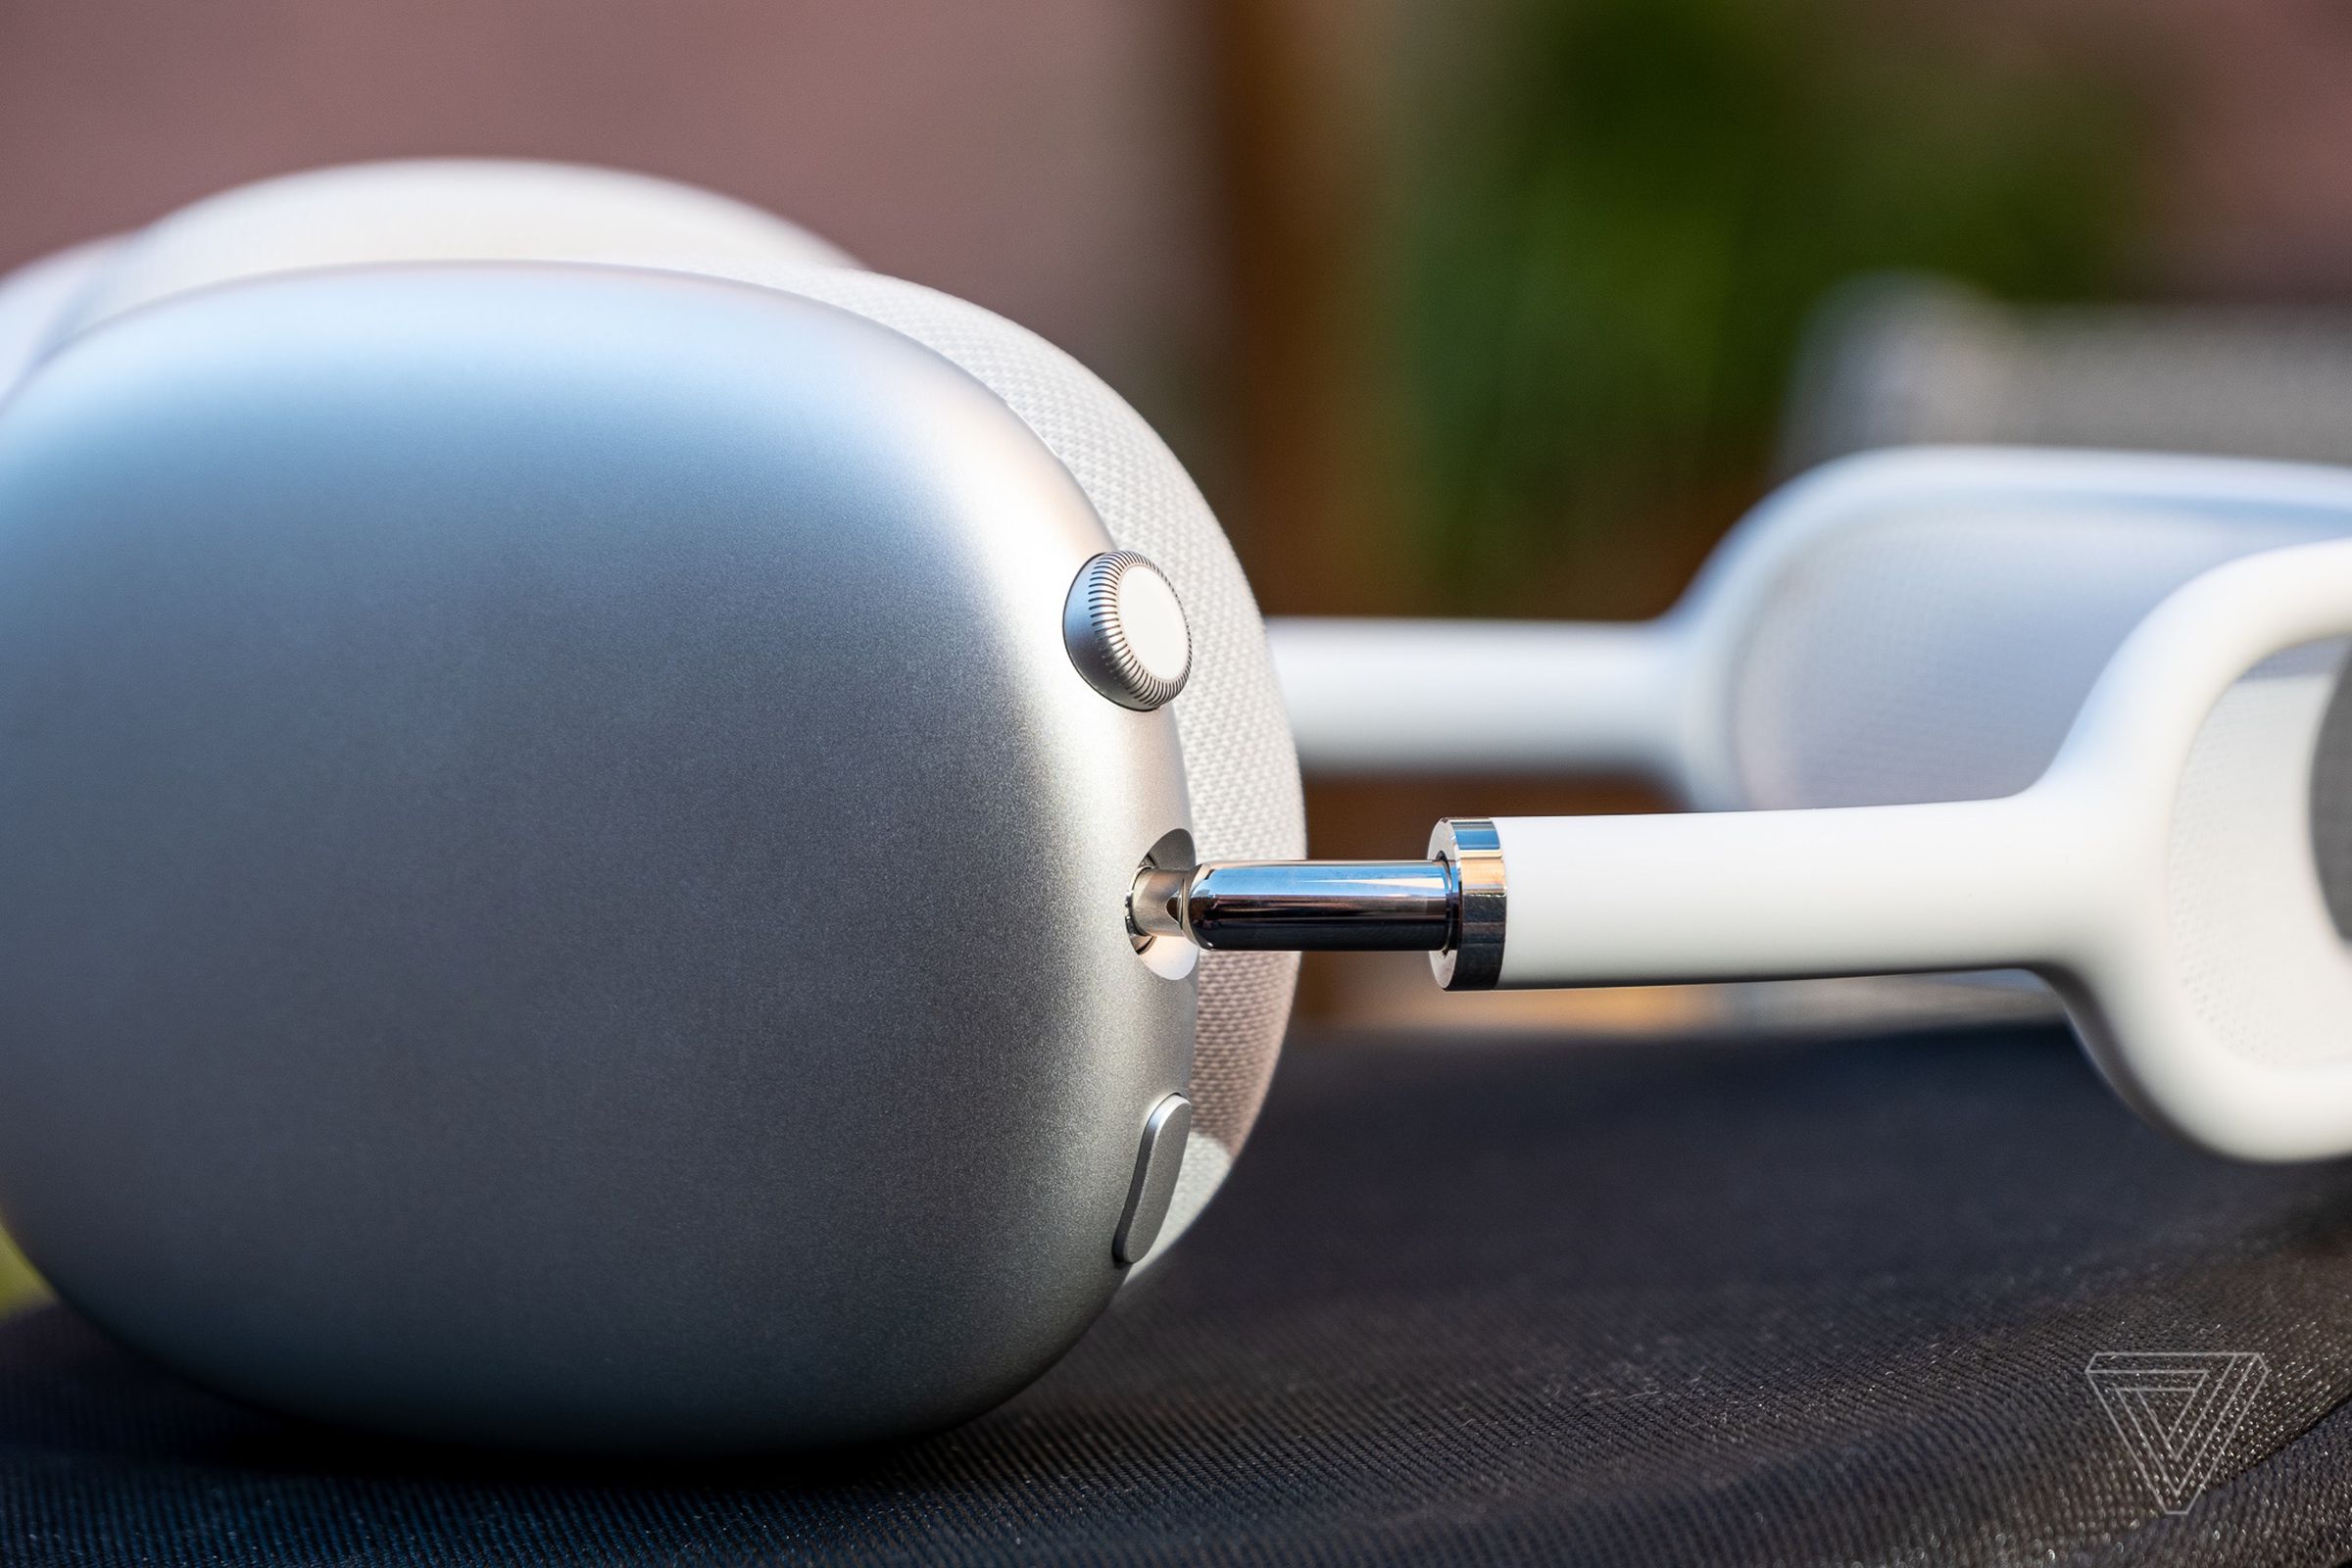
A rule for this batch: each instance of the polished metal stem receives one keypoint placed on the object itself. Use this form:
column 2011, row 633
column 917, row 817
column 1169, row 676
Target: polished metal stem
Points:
column 1449, row 906
column 1301, row 905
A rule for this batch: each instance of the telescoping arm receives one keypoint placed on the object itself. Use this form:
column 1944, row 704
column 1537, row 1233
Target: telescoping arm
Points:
column 1568, row 901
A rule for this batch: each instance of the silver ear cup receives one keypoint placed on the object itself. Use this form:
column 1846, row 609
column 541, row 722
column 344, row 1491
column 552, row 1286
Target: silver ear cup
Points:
column 563, row 888
column 1241, row 767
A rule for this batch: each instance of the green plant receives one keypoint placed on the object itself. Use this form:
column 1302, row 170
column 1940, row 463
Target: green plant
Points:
column 1617, row 214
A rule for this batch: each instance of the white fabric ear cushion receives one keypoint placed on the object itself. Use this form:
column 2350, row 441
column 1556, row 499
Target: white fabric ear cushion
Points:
column 1241, row 768
column 459, row 209
column 2330, row 804
column 2261, row 962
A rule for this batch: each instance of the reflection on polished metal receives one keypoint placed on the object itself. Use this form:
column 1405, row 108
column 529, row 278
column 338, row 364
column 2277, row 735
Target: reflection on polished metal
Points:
column 1473, row 959
column 1449, row 906
column 1309, row 905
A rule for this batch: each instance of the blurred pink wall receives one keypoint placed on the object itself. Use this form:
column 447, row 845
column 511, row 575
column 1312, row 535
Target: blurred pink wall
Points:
column 1046, row 157
column 2259, row 198
column 1185, row 193
column 2252, row 106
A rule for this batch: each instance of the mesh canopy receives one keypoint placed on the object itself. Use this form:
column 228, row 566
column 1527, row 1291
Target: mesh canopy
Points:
column 1943, row 655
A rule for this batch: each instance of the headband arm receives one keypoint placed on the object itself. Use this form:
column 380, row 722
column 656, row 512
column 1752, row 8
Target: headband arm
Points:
column 1765, row 895
column 1536, row 901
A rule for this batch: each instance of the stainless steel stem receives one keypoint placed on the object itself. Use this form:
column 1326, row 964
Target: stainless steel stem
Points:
column 1449, row 906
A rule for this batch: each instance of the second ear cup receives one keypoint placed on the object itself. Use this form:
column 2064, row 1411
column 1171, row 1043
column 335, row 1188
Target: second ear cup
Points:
column 570, row 845
column 446, row 209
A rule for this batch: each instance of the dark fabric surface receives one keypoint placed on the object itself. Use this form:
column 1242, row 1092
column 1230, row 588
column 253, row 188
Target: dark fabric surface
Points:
column 1790, row 1301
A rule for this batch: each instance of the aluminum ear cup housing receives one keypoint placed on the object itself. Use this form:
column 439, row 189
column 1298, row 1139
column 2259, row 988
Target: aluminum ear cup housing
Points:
column 1241, row 768
column 558, row 883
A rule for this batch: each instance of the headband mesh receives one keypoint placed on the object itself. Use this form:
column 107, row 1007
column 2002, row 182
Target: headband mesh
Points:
column 1943, row 655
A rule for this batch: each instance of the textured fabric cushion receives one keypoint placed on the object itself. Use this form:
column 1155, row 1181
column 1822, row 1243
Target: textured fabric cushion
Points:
column 1241, row 768
column 2260, row 957
column 1746, row 1303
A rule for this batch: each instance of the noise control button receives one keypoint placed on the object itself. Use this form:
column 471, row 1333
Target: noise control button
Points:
column 1125, row 631
column 1157, row 1163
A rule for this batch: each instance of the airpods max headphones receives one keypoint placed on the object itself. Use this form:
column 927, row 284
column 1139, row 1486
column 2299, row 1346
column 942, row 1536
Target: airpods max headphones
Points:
column 619, row 835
